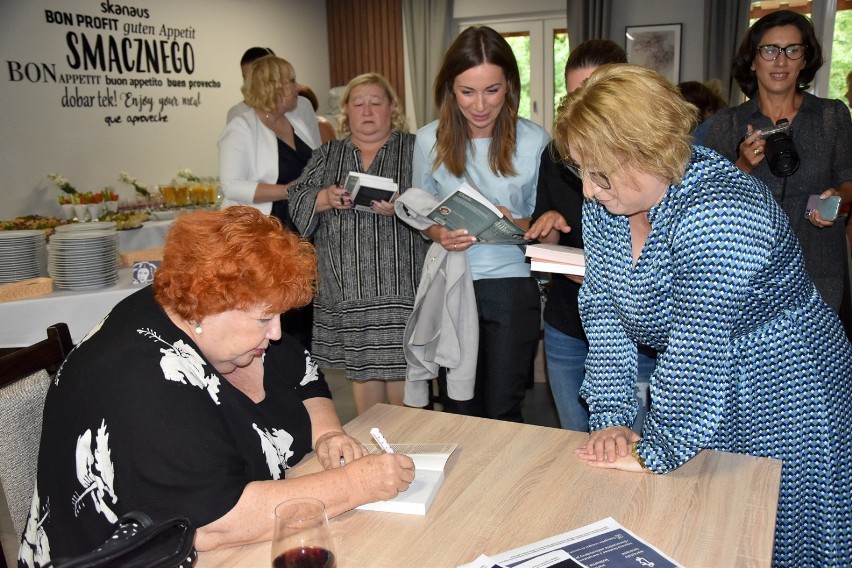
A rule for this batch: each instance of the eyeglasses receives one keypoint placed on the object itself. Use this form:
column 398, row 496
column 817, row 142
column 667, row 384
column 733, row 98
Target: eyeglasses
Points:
column 771, row 52
column 598, row 178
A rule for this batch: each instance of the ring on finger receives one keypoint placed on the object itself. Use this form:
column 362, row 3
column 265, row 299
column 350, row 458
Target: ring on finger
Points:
column 757, row 151
column 342, row 461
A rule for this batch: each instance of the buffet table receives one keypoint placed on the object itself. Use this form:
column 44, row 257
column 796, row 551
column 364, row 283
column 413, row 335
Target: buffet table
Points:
column 509, row 485
column 25, row 322
column 151, row 234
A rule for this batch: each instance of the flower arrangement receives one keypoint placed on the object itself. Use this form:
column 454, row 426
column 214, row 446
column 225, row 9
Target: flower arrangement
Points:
column 130, row 180
column 62, row 183
column 187, row 174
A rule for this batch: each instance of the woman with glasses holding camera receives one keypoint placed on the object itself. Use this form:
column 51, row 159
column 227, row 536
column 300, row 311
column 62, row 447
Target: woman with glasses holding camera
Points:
column 776, row 62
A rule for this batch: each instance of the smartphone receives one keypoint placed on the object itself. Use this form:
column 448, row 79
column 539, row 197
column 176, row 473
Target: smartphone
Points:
column 827, row 208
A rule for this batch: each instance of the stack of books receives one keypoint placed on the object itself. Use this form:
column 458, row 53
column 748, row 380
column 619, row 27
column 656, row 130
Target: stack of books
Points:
column 557, row 259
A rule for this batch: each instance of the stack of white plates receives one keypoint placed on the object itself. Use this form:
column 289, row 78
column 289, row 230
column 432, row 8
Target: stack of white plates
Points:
column 80, row 260
column 23, row 254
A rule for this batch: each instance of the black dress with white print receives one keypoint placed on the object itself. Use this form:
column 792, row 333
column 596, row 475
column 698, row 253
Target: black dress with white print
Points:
column 138, row 420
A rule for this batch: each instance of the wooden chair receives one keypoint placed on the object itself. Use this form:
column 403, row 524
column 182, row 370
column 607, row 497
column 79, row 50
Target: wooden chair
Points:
column 24, row 378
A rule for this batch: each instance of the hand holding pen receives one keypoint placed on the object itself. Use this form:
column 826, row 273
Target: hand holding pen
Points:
column 378, row 477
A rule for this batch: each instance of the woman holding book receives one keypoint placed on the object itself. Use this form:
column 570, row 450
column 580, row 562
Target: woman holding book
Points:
column 479, row 139
column 688, row 254
column 556, row 219
column 369, row 261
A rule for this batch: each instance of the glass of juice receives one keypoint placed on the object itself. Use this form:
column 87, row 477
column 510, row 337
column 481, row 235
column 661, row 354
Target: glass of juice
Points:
column 301, row 537
column 182, row 195
column 167, row 191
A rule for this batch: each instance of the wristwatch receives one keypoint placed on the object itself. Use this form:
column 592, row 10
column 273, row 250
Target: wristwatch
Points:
column 634, row 451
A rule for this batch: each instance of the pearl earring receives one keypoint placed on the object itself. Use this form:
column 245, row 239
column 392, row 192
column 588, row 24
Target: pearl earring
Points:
column 198, row 329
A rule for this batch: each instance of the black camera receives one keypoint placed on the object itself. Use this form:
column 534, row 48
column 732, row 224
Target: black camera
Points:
column 781, row 155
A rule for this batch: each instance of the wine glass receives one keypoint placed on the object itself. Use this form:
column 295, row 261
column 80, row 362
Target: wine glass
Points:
column 301, row 537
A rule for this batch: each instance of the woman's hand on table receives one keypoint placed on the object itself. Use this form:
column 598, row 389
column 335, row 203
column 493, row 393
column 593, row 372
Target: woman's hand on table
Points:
column 608, row 444
column 454, row 241
column 337, row 448
column 380, row 477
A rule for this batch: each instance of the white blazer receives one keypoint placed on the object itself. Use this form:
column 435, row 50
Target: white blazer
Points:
column 248, row 153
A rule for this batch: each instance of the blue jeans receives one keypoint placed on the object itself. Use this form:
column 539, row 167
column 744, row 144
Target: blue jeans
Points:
column 566, row 360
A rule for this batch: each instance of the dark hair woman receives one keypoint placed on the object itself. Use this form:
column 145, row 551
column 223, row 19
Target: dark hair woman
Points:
column 479, row 138
column 775, row 63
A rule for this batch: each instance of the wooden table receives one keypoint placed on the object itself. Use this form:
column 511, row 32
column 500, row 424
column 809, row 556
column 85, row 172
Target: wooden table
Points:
column 509, row 484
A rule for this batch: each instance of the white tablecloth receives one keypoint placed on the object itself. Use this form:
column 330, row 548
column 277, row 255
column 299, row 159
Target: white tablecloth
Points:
column 151, row 234
column 24, row 322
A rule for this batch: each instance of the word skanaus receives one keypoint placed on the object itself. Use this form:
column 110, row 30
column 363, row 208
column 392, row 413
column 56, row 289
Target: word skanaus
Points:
column 129, row 55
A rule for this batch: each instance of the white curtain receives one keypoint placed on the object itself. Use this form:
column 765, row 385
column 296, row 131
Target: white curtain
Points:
column 427, row 32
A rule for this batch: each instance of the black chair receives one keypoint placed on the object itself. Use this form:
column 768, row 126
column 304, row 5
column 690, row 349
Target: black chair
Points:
column 24, row 377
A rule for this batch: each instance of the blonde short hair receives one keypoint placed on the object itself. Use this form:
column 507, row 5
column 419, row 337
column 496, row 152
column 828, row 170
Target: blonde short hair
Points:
column 264, row 82
column 398, row 120
column 599, row 121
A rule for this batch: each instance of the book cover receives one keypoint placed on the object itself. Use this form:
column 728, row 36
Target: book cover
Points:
column 429, row 461
column 366, row 188
column 466, row 208
column 604, row 543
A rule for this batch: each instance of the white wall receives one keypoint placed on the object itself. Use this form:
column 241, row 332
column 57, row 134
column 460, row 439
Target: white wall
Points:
column 654, row 12
column 466, row 9
column 40, row 136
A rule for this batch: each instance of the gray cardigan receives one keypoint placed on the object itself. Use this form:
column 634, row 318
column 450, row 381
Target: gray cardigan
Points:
column 443, row 330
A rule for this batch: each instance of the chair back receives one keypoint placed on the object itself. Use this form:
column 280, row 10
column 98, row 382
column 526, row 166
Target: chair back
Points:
column 24, row 379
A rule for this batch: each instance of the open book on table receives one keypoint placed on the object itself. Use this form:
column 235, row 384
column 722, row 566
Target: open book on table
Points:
column 557, row 259
column 429, row 461
column 364, row 189
column 604, row 543
column 466, row 208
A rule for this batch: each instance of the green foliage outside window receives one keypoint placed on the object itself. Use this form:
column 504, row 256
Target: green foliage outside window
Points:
column 520, row 45
column 841, row 55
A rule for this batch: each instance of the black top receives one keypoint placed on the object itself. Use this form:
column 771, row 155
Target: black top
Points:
column 291, row 162
column 138, row 420
column 560, row 190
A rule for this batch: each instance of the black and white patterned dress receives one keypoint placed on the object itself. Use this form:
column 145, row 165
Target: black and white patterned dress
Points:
column 751, row 360
column 369, row 264
column 138, row 420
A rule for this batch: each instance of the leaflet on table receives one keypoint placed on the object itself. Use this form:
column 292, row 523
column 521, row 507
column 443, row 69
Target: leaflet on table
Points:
column 602, row 544
column 466, row 208
column 559, row 259
column 365, row 188
column 429, row 462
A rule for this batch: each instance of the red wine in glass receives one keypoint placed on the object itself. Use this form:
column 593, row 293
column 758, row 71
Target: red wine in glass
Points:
column 305, row 557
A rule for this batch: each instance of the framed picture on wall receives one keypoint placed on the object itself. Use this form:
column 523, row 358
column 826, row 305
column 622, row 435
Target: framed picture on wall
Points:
column 656, row 47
